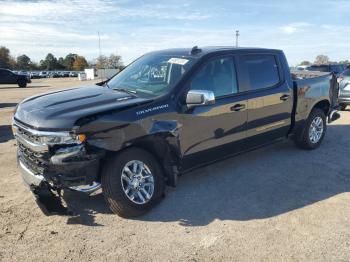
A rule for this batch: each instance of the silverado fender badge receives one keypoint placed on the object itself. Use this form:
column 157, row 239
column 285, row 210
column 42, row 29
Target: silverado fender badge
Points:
column 148, row 110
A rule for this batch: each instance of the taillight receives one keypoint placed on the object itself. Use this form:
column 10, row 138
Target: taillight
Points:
column 339, row 79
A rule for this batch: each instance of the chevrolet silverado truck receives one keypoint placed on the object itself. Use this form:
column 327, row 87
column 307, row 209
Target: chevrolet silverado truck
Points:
column 165, row 114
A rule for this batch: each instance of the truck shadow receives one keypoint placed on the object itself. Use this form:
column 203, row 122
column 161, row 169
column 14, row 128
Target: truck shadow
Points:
column 28, row 87
column 82, row 208
column 257, row 185
column 5, row 133
column 4, row 105
column 261, row 184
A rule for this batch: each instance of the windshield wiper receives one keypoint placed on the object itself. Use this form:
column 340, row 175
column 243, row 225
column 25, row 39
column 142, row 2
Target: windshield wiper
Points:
column 125, row 90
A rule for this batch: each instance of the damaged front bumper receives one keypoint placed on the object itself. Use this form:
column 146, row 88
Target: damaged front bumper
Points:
column 29, row 178
column 70, row 168
column 57, row 165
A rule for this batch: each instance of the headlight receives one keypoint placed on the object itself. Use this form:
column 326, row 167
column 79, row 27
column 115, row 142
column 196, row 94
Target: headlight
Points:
column 46, row 137
column 14, row 129
column 62, row 139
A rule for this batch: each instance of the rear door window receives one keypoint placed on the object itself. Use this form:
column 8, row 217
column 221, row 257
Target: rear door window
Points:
column 262, row 70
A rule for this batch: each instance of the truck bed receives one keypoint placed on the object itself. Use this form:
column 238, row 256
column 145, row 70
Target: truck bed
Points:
column 310, row 86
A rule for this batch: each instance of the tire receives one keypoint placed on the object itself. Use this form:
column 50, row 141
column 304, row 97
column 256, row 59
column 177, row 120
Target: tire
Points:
column 342, row 107
column 114, row 187
column 304, row 140
column 22, row 84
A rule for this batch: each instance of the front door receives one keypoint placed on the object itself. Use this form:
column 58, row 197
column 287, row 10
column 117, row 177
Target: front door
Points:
column 7, row 77
column 214, row 131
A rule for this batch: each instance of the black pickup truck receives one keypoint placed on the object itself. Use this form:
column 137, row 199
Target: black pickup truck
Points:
column 166, row 113
column 9, row 77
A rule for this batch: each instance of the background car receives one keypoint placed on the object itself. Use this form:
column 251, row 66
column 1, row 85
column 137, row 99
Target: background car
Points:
column 34, row 75
column 344, row 89
column 73, row 74
column 43, row 74
column 302, row 67
column 9, row 77
column 336, row 69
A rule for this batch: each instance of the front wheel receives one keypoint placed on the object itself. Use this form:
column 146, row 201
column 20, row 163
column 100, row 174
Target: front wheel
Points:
column 22, row 84
column 314, row 130
column 132, row 182
column 342, row 107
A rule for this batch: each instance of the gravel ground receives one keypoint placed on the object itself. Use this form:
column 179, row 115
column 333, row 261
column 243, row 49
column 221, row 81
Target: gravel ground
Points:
column 276, row 203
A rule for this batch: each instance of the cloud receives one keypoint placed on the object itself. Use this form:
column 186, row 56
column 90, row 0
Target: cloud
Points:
column 90, row 11
column 39, row 27
column 132, row 27
column 294, row 27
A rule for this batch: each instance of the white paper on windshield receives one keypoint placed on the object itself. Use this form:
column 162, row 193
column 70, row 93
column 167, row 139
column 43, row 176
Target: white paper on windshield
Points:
column 179, row 61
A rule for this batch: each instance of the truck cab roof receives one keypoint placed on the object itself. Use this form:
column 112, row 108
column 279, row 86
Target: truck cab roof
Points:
column 198, row 52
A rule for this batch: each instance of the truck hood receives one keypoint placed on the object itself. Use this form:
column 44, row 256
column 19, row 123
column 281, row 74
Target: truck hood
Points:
column 60, row 110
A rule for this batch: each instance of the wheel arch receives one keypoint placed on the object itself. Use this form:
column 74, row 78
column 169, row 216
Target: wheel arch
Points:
column 324, row 105
column 163, row 148
column 298, row 127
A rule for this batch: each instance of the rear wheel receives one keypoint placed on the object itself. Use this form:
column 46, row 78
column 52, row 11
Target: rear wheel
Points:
column 132, row 182
column 314, row 130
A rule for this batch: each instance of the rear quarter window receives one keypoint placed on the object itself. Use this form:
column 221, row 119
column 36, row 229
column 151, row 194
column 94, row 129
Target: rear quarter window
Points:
column 262, row 70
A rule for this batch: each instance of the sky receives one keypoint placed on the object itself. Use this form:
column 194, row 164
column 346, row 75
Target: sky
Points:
column 130, row 28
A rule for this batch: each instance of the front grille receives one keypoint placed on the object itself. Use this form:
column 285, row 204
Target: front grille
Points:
column 36, row 162
column 27, row 141
column 25, row 134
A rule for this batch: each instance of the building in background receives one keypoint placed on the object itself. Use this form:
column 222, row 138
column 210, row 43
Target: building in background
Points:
column 103, row 74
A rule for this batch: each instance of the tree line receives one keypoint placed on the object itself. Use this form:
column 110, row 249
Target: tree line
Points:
column 323, row 60
column 68, row 63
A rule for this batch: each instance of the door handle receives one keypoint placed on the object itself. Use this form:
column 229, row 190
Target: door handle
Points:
column 284, row 97
column 237, row 107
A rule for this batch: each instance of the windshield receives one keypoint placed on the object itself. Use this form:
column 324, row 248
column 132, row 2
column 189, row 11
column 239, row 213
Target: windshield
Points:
column 152, row 75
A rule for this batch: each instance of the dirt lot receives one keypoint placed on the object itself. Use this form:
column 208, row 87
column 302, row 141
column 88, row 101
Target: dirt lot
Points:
column 277, row 203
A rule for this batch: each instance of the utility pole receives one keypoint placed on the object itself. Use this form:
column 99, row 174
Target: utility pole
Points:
column 237, row 35
column 99, row 50
column 99, row 44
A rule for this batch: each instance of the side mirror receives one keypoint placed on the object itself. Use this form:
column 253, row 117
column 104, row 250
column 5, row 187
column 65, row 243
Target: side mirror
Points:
column 200, row 98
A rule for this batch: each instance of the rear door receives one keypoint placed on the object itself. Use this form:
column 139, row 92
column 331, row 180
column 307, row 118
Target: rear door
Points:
column 270, row 99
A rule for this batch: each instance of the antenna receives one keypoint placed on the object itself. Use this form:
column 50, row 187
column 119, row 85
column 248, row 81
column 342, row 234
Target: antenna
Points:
column 99, row 50
column 195, row 50
column 237, row 35
column 99, row 44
